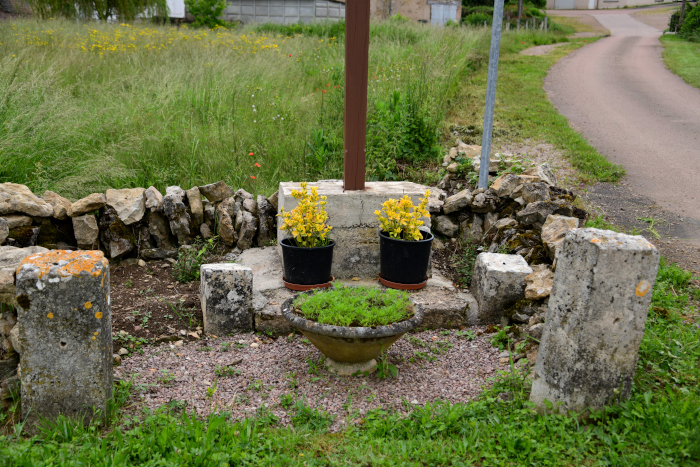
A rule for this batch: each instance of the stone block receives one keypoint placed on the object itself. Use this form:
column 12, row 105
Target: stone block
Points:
column 226, row 292
column 65, row 333
column 355, row 226
column 129, row 204
column 498, row 281
column 595, row 321
column 554, row 231
column 86, row 231
column 19, row 198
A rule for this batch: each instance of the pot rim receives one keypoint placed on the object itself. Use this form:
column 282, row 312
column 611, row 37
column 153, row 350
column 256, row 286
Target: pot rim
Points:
column 385, row 236
column 352, row 332
column 331, row 244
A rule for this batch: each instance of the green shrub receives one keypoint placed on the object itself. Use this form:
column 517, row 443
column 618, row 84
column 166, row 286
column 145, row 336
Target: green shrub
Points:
column 322, row 29
column 477, row 19
column 355, row 306
column 536, row 12
column 487, row 10
column 207, row 12
column 691, row 23
column 676, row 16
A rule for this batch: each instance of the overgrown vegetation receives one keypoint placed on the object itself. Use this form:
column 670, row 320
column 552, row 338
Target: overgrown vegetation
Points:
column 207, row 12
column 355, row 306
column 190, row 258
column 91, row 106
column 123, row 10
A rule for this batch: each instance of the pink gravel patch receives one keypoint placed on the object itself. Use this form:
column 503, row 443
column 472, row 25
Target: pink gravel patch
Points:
column 432, row 365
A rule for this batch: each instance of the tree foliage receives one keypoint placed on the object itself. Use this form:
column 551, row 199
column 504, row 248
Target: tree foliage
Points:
column 124, row 10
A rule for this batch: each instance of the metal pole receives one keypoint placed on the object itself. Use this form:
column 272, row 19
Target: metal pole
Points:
column 356, row 69
column 491, row 93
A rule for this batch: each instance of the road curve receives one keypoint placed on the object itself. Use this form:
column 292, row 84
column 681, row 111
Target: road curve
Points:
column 619, row 95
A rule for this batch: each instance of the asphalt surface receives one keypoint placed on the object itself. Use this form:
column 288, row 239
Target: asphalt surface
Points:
column 618, row 94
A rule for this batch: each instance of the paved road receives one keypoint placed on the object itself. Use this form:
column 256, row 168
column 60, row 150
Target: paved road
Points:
column 619, row 95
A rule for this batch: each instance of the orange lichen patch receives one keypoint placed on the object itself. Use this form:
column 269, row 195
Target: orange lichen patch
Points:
column 98, row 315
column 642, row 288
column 595, row 240
column 50, row 315
column 96, row 333
column 88, row 305
column 94, row 338
column 67, row 263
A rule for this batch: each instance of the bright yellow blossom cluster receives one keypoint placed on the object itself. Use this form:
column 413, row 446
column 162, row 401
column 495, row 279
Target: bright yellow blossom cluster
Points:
column 401, row 219
column 306, row 223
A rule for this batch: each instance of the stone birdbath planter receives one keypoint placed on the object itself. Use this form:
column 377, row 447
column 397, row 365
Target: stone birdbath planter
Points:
column 339, row 323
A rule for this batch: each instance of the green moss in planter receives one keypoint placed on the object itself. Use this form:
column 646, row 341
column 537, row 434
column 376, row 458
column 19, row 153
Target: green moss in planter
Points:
column 355, row 306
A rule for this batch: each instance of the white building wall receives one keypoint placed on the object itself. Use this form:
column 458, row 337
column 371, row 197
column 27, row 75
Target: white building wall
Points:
column 283, row 11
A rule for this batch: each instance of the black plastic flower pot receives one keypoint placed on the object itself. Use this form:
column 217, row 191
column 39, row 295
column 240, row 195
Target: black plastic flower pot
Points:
column 404, row 261
column 307, row 266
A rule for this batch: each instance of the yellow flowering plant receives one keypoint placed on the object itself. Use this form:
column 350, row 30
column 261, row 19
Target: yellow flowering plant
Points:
column 401, row 219
column 306, row 223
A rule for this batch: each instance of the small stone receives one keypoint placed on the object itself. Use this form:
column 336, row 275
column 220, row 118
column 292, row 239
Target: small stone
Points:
column 453, row 168
column 350, row 369
column 154, row 199
column 444, row 225
column 205, row 232
column 60, row 204
column 86, row 231
column 4, row 230
column 504, row 360
column 536, row 331
column 129, row 204
column 484, row 202
column 274, row 199
column 457, row 202
column 255, row 345
column 250, row 205
column 520, row 318
column 534, row 192
column 226, row 228
column 15, row 221
column 88, row 204
column 116, row 359
column 538, row 285
column 194, row 198
column 247, row 231
column 506, row 184
column 194, row 335
column 141, row 263
column 554, row 230
column 19, row 198
column 176, row 212
column 241, row 194
column 266, row 219
column 216, row 192
column 116, row 237
column 414, row 402
column 123, row 351
column 178, row 343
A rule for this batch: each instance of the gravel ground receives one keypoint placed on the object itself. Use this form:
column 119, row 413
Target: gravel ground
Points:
column 541, row 49
column 431, row 365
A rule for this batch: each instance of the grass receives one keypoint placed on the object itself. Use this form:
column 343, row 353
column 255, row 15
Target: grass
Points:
column 524, row 112
column 355, row 306
column 571, row 24
column 682, row 58
column 88, row 106
column 657, row 426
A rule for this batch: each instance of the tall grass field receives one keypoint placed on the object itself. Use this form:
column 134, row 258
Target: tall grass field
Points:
column 84, row 107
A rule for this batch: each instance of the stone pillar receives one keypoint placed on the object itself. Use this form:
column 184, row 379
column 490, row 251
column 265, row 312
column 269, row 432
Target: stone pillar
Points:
column 65, row 332
column 226, row 292
column 595, row 321
column 498, row 281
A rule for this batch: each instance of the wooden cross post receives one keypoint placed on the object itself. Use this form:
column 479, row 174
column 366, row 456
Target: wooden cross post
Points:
column 356, row 69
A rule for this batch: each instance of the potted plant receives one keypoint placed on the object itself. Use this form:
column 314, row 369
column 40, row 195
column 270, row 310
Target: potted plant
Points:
column 353, row 324
column 404, row 249
column 307, row 253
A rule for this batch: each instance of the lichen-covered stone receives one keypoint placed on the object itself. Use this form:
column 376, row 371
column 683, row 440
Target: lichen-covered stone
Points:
column 65, row 332
column 444, row 226
column 595, row 320
column 4, row 230
column 247, row 231
column 274, row 199
column 60, row 204
column 227, row 231
column 554, row 230
column 10, row 257
column 216, row 192
column 266, row 221
column 498, row 281
column 538, row 285
column 88, row 204
column 226, row 291
column 19, row 198
column 86, row 231
column 534, row 192
column 484, row 202
column 129, row 204
column 117, row 238
column 176, row 211
column 506, row 185
column 17, row 220
column 457, row 202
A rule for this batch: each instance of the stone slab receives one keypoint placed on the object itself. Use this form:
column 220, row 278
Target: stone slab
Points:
column 65, row 333
column 226, row 294
column 595, row 321
column 355, row 226
column 445, row 306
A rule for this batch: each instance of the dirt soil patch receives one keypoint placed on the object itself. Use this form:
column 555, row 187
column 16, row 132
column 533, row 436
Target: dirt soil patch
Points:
column 242, row 373
column 542, row 49
column 657, row 18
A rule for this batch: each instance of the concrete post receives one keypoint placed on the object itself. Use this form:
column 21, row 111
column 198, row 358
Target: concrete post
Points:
column 65, row 332
column 226, row 292
column 595, row 321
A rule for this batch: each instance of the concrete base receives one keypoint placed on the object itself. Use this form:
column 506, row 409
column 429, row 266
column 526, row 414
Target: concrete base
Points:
column 445, row 306
column 355, row 226
column 351, row 369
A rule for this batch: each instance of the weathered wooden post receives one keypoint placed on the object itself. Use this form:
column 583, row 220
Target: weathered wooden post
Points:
column 356, row 69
